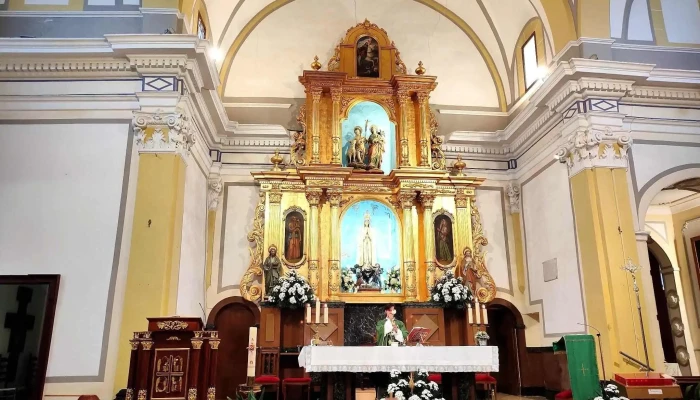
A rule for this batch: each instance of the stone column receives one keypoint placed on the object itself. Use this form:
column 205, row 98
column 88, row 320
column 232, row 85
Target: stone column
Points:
column 316, row 125
column 424, row 144
column 596, row 157
column 335, row 127
column 406, row 199
column 334, row 197
column 163, row 141
column 313, row 196
column 404, row 101
column 513, row 192
column 427, row 198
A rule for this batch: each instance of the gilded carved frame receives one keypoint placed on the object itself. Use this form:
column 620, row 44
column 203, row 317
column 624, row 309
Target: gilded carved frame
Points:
column 449, row 215
column 301, row 262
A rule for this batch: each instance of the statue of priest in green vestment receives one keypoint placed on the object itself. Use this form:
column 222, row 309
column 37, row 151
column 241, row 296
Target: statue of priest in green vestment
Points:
column 390, row 330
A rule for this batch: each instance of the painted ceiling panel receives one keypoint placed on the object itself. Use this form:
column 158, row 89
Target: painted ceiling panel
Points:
column 509, row 17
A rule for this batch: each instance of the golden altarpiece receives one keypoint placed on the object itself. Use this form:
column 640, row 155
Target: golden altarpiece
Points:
column 366, row 207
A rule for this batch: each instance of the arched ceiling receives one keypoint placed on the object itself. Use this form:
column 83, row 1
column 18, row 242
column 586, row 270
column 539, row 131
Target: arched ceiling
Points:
column 468, row 45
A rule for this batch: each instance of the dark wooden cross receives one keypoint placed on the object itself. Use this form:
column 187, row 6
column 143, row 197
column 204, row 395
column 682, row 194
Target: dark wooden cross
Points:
column 19, row 324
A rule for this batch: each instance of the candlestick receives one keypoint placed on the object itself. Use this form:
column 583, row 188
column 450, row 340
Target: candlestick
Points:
column 469, row 314
column 486, row 315
column 325, row 313
column 308, row 313
column 477, row 310
column 252, row 342
column 318, row 311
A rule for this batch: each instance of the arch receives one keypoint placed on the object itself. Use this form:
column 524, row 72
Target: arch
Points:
column 432, row 4
column 513, row 349
column 533, row 27
column 232, row 300
column 561, row 22
column 199, row 7
column 646, row 194
column 498, row 302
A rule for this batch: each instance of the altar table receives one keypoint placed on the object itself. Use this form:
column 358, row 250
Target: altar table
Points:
column 457, row 363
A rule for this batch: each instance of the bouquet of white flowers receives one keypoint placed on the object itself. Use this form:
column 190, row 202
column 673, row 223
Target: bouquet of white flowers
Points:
column 291, row 291
column 393, row 281
column 611, row 392
column 347, row 281
column 423, row 388
column 451, row 291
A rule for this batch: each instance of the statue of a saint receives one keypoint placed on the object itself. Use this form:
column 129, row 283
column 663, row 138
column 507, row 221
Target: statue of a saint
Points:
column 465, row 270
column 365, row 255
column 376, row 147
column 294, row 241
column 272, row 267
column 356, row 149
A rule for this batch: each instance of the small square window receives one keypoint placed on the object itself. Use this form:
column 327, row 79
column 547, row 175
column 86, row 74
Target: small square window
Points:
column 530, row 62
column 201, row 28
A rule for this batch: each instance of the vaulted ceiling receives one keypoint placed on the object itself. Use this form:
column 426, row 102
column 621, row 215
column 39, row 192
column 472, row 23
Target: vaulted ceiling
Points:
column 470, row 45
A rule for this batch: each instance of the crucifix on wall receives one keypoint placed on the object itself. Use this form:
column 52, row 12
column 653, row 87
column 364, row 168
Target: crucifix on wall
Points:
column 19, row 323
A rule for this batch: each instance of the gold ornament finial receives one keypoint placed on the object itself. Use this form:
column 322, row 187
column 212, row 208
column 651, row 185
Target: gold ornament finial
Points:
column 315, row 65
column 458, row 166
column 420, row 70
column 276, row 160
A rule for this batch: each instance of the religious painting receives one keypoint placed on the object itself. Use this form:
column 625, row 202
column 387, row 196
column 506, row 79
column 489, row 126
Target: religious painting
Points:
column 294, row 220
column 367, row 57
column 369, row 139
column 444, row 238
column 170, row 378
column 369, row 248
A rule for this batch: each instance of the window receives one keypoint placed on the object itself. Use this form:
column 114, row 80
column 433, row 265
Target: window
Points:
column 530, row 62
column 201, row 28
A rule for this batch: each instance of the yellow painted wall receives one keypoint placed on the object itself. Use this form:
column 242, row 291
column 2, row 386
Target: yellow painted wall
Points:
column 593, row 18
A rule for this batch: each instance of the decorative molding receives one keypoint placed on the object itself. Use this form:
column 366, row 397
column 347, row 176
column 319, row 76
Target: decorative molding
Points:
column 214, row 189
column 172, row 325
column 590, row 148
column 513, row 192
column 161, row 132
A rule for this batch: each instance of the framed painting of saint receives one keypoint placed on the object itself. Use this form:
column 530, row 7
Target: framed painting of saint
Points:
column 367, row 57
column 444, row 239
column 294, row 236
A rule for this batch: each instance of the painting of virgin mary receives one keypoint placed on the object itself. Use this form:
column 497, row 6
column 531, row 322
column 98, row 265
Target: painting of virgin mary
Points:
column 294, row 237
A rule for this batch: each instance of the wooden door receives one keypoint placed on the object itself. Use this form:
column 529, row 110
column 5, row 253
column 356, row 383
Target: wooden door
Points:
column 233, row 318
column 502, row 332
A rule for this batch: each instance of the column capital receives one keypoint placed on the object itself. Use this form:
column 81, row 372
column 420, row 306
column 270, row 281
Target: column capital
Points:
column 214, row 189
column 313, row 196
column 161, row 132
column 423, row 98
column 316, row 93
column 642, row 236
column 335, row 196
column 589, row 148
column 513, row 192
column 406, row 198
column 336, row 93
column 275, row 197
column 427, row 198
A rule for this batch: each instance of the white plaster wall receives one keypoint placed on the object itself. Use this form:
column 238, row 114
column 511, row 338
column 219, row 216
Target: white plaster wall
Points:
column 681, row 18
column 652, row 159
column 639, row 27
column 60, row 195
column 239, row 208
column 491, row 207
column 550, row 234
column 190, row 295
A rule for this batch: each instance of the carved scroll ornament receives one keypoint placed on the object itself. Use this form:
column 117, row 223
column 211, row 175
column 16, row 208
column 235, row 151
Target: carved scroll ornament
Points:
column 251, row 287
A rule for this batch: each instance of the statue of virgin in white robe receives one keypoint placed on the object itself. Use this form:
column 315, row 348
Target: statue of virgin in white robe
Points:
column 366, row 256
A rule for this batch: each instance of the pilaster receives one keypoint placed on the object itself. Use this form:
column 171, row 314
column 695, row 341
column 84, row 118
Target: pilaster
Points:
column 404, row 100
column 214, row 189
column 334, row 198
column 427, row 198
column 163, row 140
column 313, row 196
column 513, row 192
column 406, row 200
column 316, row 125
column 649, row 300
column 336, row 94
column 424, row 142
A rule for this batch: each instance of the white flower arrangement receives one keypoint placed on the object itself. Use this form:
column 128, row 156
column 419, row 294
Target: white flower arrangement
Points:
column 347, row 281
column 423, row 388
column 611, row 392
column 291, row 291
column 451, row 291
column 393, row 281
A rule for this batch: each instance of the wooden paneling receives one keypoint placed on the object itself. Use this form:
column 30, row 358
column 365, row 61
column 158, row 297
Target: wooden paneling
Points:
column 417, row 316
column 270, row 327
column 292, row 328
column 336, row 316
column 455, row 327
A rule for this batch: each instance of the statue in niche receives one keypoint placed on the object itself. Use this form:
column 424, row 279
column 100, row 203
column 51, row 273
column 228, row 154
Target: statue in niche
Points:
column 444, row 253
column 356, row 149
column 466, row 269
column 376, row 147
column 294, row 238
column 272, row 266
column 367, row 270
column 367, row 51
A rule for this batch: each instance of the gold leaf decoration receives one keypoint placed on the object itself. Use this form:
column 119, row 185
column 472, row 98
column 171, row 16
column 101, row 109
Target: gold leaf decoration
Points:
column 250, row 286
column 172, row 325
column 487, row 291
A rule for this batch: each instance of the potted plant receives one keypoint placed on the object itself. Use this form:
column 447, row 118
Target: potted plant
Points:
column 481, row 338
column 291, row 291
column 451, row 291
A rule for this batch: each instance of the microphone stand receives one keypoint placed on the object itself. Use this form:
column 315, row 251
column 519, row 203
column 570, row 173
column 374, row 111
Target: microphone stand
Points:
column 600, row 350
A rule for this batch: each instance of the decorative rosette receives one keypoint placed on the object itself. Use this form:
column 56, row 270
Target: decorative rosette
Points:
column 451, row 291
column 291, row 291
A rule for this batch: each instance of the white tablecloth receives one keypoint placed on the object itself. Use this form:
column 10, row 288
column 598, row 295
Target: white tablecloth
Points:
column 404, row 359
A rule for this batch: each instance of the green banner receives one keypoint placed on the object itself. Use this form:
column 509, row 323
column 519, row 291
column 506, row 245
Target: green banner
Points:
column 583, row 367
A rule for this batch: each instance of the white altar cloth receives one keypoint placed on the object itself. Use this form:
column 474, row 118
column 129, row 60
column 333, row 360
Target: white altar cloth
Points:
column 404, row 359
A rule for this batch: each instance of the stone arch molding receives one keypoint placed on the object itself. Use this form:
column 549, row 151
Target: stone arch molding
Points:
column 646, row 193
column 432, row 4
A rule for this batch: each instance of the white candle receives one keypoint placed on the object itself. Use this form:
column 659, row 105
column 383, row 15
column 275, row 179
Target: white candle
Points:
column 477, row 309
column 486, row 315
column 469, row 314
column 252, row 343
column 325, row 313
column 308, row 313
column 318, row 311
